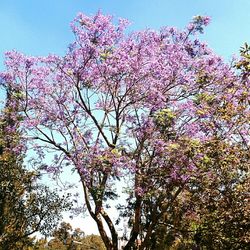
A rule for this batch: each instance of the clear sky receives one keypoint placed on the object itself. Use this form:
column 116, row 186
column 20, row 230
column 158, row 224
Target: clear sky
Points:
column 39, row 27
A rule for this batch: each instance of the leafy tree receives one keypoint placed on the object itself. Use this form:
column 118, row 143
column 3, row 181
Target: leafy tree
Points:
column 25, row 206
column 92, row 242
column 213, row 211
column 156, row 111
column 67, row 238
column 63, row 236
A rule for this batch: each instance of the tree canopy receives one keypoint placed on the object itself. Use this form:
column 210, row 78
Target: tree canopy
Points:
column 26, row 207
column 155, row 111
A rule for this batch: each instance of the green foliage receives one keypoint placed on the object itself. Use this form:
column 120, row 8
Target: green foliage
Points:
column 244, row 63
column 91, row 242
column 65, row 238
column 25, row 206
column 164, row 120
column 213, row 211
column 164, row 117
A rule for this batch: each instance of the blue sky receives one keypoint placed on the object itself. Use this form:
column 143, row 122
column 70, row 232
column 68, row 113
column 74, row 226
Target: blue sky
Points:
column 41, row 27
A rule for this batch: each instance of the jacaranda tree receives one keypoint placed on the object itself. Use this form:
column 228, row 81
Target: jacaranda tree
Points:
column 154, row 111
